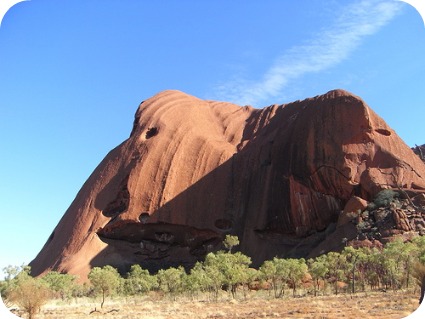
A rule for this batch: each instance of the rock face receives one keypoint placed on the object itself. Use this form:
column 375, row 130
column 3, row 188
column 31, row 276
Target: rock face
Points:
column 193, row 171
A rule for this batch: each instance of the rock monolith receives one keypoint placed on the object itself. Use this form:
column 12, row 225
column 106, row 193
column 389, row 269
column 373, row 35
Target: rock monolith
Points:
column 193, row 171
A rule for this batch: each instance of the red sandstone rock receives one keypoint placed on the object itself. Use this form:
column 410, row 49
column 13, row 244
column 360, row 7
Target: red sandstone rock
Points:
column 401, row 220
column 351, row 210
column 193, row 170
column 355, row 204
column 419, row 200
column 366, row 243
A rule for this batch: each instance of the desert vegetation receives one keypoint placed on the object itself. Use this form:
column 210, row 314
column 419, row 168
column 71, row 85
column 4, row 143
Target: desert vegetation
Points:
column 225, row 277
column 360, row 275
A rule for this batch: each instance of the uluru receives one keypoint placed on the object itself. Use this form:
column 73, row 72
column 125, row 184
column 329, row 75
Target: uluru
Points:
column 192, row 171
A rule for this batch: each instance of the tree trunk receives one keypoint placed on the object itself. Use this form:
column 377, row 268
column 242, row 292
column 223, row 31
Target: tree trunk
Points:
column 103, row 298
column 233, row 290
column 422, row 290
column 282, row 291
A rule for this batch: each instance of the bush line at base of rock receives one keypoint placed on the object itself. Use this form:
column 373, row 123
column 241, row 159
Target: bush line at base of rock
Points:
column 399, row 265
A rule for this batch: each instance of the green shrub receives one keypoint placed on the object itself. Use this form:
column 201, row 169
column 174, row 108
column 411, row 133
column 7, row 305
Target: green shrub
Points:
column 105, row 280
column 383, row 199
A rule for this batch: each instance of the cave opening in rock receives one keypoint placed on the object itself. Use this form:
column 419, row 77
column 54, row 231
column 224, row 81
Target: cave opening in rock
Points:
column 144, row 217
column 383, row 132
column 151, row 132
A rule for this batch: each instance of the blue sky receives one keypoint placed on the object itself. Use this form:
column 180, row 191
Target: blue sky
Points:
column 72, row 74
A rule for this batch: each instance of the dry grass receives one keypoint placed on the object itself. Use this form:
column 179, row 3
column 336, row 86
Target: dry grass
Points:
column 371, row 305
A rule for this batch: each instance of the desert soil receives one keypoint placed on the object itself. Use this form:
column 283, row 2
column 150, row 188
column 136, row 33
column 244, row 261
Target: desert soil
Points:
column 362, row 305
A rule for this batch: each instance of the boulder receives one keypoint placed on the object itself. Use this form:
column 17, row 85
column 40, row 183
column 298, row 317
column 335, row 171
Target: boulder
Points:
column 352, row 210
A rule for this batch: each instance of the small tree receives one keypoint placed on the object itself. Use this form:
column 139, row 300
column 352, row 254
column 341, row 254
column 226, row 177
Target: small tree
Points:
column 336, row 264
column 296, row 270
column 230, row 242
column 62, row 285
column 277, row 271
column 12, row 271
column 419, row 265
column 171, row 280
column 318, row 270
column 375, row 270
column 213, row 279
column 223, row 269
column 105, row 280
column 229, row 269
column 237, row 271
column 139, row 281
column 392, row 261
column 356, row 265
column 28, row 293
column 268, row 272
column 198, row 280
column 419, row 275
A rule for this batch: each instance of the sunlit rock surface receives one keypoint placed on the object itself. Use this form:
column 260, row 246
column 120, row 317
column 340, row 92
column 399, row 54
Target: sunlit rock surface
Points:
column 193, row 171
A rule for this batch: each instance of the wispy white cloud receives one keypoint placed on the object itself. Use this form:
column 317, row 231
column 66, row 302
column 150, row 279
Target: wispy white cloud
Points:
column 327, row 48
